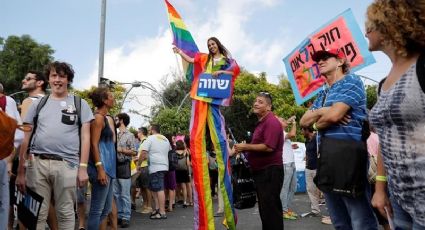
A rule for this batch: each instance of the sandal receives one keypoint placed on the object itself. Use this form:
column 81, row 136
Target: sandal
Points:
column 158, row 216
column 154, row 213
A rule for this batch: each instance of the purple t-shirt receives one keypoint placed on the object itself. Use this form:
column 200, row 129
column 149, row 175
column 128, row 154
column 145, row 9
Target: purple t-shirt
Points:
column 269, row 132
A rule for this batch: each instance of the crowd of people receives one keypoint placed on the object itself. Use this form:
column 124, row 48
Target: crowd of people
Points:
column 368, row 167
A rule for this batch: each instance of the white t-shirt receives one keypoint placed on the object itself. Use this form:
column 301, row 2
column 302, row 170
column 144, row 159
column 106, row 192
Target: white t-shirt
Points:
column 287, row 153
column 12, row 111
column 157, row 147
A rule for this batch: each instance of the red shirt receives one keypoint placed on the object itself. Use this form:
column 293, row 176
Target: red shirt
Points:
column 269, row 132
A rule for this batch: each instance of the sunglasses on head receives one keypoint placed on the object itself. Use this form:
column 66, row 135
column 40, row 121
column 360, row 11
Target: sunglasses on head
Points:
column 265, row 94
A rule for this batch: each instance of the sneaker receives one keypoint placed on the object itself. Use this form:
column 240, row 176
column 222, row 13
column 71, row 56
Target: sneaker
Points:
column 125, row 223
column 288, row 216
column 292, row 213
column 310, row 214
column 119, row 222
column 326, row 220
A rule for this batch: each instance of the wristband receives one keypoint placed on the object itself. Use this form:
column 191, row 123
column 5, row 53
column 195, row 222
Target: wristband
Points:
column 83, row 165
column 381, row 178
column 98, row 163
column 315, row 127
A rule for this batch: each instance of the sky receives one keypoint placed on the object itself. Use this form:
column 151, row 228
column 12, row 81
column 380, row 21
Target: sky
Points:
column 258, row 33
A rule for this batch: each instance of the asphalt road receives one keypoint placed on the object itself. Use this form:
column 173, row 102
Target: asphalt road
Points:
column 249, row 219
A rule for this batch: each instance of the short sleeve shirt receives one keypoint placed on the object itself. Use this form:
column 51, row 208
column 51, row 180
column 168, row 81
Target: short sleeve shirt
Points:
column 57, row 128
column 288, row 152
column 269, row 132
column 127, row 141
column 157, row 147
column 350, row 91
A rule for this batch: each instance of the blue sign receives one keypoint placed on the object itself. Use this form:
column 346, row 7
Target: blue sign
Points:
column 214, row 87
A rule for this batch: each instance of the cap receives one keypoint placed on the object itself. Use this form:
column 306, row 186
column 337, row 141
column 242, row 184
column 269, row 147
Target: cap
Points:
column 330, row 52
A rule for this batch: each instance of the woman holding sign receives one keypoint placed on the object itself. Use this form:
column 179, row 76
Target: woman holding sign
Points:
column 397, row 28
column 212, row 86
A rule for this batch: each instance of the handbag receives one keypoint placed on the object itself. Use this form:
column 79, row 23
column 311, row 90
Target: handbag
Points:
column 123, row 170
column 342, row 166
column 244, row 193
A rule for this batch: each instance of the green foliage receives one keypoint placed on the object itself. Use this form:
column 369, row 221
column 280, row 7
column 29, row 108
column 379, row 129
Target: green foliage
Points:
column 118, row 91
column 371, row 95
column 17, row 56
column 173, row 121
column 239, row 115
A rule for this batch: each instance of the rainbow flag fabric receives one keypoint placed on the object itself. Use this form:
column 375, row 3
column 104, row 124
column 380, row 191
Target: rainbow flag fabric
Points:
column 182, row 39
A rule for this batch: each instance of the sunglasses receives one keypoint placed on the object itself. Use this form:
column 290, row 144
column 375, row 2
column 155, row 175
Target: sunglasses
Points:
column 324, row 58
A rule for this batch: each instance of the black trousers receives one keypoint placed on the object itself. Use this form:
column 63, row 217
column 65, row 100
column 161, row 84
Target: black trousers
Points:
column 268, row 184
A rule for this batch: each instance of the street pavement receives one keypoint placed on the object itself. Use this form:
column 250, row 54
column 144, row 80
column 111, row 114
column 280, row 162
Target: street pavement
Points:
column 248, row 219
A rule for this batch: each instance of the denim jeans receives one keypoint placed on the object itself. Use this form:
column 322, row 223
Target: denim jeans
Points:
column 122, row 197
column 4, row 195
column 402, row 219
column 351, row 213
column 101, row 200
column 289, row 185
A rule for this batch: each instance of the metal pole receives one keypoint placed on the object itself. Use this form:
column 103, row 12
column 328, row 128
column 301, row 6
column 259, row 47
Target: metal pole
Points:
column 368, row 78
column 181, row 103
column 102, row 41
column 125, row 96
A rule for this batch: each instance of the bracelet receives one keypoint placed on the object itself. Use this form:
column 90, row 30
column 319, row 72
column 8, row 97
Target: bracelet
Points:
column 98, row 163
column 381, row 178
column 314, row 126
column 83, row 165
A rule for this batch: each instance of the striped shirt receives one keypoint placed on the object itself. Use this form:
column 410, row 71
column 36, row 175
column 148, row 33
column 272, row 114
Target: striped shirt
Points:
column 350, row 91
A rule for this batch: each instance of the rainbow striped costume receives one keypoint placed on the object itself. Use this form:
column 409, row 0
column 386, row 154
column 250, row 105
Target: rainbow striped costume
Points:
column 205, row 111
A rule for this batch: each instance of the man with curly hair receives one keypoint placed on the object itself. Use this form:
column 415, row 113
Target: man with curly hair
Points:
column 397, row 28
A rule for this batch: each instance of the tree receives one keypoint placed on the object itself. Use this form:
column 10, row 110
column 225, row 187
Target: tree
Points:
column 17, row 56
column 173, row 122
column 118, row 91
column 371, row 95
column 239, row 115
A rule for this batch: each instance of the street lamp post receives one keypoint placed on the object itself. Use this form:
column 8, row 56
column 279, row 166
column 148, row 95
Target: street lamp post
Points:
column 102, row 41
column 135, row 84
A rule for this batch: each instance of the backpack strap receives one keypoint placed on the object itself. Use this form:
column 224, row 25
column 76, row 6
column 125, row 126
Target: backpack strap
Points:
column 420, row 71
column 380, row 85
column 77, row 103
column 40, row 105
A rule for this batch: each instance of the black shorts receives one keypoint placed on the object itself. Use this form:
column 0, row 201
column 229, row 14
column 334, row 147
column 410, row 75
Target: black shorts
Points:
column 182, row 176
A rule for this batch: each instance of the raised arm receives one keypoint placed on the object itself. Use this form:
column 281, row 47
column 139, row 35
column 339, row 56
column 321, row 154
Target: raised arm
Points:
column 183, row 55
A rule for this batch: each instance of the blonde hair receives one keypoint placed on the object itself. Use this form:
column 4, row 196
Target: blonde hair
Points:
column 401, row 22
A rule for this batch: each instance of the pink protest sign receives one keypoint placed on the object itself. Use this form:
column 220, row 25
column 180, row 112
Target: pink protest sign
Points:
column 340, row 33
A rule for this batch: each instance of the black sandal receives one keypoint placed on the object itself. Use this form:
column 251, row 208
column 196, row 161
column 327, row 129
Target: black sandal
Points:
column 154, row 213
column 159, row 216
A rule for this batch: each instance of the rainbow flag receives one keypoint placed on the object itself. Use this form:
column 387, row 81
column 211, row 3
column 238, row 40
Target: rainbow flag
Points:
column 182, row 39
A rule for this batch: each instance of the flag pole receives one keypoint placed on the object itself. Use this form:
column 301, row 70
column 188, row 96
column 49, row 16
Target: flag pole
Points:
column 171, row 30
